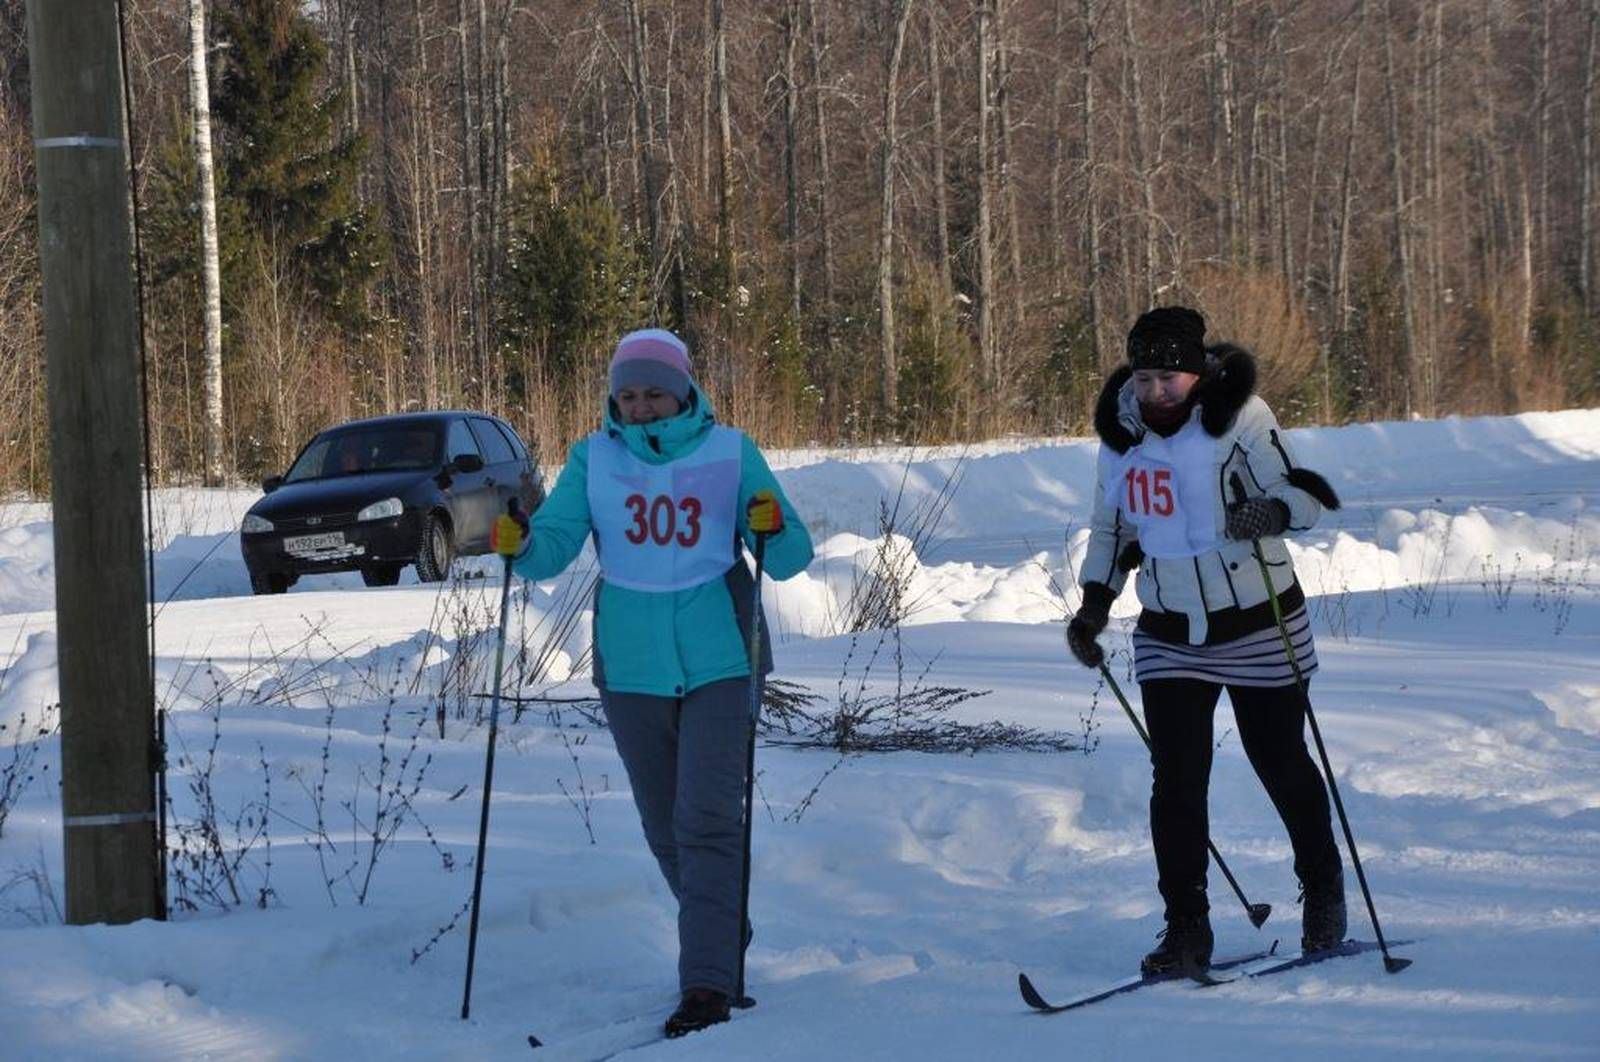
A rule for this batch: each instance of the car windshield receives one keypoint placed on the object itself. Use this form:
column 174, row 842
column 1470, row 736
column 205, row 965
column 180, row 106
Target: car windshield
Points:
column 355, row 451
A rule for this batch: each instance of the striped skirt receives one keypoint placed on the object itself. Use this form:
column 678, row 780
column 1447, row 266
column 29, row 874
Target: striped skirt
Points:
column 1254, row 660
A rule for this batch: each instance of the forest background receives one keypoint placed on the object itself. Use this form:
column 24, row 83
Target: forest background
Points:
column 914, row 220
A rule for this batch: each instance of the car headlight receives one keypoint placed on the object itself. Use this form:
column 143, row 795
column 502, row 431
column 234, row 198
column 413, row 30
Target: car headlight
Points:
column 381, row 510
column 255, row 525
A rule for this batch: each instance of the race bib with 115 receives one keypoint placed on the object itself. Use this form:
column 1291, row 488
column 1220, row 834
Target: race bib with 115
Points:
column 1163, row 487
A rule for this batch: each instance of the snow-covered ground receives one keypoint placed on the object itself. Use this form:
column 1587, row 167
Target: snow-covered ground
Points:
column 1457, row 605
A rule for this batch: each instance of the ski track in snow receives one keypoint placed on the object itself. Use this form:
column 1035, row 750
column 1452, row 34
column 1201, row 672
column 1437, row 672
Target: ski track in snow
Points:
column 1456, row 602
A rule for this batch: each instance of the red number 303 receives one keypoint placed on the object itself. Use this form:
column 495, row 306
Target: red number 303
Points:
column 656, row 520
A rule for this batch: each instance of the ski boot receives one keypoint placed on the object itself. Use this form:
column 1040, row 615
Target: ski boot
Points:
column 1323, row 919
column 1185, row 946
column 699, row 1009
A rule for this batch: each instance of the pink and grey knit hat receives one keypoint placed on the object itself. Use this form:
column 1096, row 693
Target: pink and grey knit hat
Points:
column 652, row 357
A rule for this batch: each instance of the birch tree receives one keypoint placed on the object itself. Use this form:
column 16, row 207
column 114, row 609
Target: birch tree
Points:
column 210, row 269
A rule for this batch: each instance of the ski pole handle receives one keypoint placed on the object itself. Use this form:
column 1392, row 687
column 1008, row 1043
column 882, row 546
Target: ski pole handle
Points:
column 509, row 534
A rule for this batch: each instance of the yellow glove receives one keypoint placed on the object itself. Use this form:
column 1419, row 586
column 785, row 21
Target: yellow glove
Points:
column 509, row 531
column 764, row 513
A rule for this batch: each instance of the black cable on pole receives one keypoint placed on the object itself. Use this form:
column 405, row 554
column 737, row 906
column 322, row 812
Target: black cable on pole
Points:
column 158, row 751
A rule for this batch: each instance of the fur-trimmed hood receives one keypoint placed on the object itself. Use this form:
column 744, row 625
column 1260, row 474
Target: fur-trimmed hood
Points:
column 1228, row 383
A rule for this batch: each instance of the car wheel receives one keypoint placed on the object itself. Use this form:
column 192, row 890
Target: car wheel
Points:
column 269, row 582
column 385, row 575
column 436, row 551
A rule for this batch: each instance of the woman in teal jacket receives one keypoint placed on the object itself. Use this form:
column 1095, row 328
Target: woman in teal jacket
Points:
column 668, row 496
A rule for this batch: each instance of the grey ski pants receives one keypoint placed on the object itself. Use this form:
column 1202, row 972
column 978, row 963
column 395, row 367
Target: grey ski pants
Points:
column 685, row 759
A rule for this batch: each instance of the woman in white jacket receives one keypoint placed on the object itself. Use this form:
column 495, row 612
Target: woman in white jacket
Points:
column 1193, row 470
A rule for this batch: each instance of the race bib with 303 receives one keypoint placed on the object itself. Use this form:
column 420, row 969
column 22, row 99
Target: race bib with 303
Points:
column 665, row 527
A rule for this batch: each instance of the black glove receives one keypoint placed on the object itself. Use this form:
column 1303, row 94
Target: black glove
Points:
column 1088, row 622
column 1256, row 518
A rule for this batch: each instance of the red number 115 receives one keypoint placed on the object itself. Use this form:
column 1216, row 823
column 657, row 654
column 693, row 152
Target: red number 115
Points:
column 1143, row 487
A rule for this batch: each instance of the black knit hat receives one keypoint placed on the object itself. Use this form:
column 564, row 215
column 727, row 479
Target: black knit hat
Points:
column 1168, row 337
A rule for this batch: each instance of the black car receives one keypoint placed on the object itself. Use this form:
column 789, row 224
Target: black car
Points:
column 376, row 495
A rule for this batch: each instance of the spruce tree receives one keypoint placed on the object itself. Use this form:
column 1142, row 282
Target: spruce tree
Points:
column 573, row 278
column 282, row 160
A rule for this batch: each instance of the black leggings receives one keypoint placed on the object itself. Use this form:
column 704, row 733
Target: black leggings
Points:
column 1271, row 722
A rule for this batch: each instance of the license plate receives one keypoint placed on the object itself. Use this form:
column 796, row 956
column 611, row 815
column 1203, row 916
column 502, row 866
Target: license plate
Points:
column 314, row 543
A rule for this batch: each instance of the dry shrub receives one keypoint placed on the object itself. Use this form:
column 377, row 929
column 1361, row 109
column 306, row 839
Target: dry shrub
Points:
column 1497, row 366
column 23, row 464
column 1257, row 310
column 554, row 410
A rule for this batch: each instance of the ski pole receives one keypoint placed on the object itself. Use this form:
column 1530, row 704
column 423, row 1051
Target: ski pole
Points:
column 739, row 998
column 512, row 509
column 1390, row 963
column 1257, row 912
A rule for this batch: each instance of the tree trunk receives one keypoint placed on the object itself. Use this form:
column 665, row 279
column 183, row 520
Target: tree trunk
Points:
column 607, row 178
column 985, row 234
column 1400, row 241
column 500, row 189
column 677, row 223
column 708, row 85
column 819, row 48
column 891, row 94
column 1587, row 177
column 1280, row 176
column 1008, row 190
column 725, row 250
column 469, row 189
column 393, row 165
column 1526, row 296
column 1433, row 196
column 210, row 270
column 1141, row 167
column 1335, row 60
column 941, row 190
column 1091, row 197
column 484, row 113
column 1341, row 254
column 644, row 139
column 1542, row 133
column 1224, row 121
column 424, row 211
column 353, row 98
column 1058, row 150
column 791, row 134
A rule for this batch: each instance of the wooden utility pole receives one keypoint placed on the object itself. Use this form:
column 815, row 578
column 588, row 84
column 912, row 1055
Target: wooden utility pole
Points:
column 90, row 330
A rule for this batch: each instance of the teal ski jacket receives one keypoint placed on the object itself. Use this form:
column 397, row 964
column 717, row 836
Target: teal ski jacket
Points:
column 666, row 643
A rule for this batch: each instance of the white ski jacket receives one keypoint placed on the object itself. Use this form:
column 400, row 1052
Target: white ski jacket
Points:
column 1247, row 448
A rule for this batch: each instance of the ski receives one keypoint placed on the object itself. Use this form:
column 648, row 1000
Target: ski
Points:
column 1031, row 996
column 614, row 1038
column 1295, row 959
column 602, row 1042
